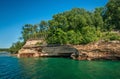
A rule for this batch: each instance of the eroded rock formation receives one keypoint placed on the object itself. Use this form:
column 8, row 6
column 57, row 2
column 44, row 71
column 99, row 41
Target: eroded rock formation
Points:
column 99, row 50
column 92, row 51
column 31, row 49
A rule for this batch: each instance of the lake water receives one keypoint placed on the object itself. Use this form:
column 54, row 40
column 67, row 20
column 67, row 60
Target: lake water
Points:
column 56, row 68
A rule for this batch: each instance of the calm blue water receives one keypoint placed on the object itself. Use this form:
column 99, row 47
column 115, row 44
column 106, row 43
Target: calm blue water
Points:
column 56, row 68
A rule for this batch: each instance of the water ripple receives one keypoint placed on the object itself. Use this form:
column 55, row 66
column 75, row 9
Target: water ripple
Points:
column 57, row 68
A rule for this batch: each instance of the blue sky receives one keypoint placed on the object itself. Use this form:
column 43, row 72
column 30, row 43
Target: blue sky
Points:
column 15, row 13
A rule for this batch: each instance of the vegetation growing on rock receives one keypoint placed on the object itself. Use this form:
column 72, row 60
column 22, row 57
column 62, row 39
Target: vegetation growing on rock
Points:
column 77, row 26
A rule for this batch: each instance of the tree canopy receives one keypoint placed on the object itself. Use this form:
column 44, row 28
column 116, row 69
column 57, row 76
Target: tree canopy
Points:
column 112, row 15
column 76, row 26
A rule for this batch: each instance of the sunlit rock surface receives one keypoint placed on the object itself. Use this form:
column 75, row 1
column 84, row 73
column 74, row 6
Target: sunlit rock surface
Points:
column 32, row 49
column 99, row 50
column 92, row 51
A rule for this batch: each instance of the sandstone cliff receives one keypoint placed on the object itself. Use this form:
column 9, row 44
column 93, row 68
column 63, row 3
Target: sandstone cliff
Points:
column 98, row 50
column 92, row 51
column 32, row 49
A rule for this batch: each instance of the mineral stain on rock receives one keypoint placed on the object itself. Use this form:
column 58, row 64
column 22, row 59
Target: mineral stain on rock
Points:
column 93, row 51
column 99, row 50
column 30, row 49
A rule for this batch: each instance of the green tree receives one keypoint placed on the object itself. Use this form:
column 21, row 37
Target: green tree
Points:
column 16, row 47
column 74, row 23
column 43, row 28
column 27, row 31
column 57, row 37
column 98, row 19
column 71, row 20
column 89, row 34
column 112, row 15
column 74, row 37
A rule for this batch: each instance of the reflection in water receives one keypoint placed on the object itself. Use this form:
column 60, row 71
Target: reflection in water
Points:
column 4, row 54
column 57, row 68
column 29, row 67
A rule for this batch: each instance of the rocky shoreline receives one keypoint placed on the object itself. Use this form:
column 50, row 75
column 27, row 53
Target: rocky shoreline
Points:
column 100, row 50
column 30, row 49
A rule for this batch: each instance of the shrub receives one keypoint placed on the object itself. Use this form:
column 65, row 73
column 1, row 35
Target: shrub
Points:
column 90, row 34
column 109, row 36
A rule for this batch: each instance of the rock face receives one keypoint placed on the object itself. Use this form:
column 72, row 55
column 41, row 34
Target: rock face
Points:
column 30, row 49
column 98, row 50
column 59, row 50
column 92, row 51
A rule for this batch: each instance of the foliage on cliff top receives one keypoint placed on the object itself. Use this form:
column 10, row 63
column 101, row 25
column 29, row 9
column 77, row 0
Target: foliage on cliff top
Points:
column 16, row 47
column 76, row 26
column 110, row 36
